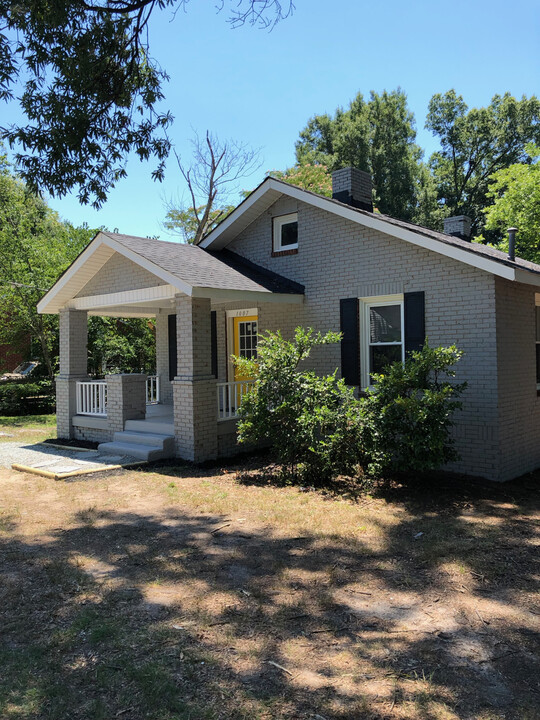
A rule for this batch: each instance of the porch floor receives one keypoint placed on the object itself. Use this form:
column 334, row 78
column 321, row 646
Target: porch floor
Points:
column 163, row 412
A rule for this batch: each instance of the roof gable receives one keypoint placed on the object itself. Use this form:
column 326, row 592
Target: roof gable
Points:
column 187, row 268
column 480, row 256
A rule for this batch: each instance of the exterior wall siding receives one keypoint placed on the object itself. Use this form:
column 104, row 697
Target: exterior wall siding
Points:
column 339, row 259
column 519, row 404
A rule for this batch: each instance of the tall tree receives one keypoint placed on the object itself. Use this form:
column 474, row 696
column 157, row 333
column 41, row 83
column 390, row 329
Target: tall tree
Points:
column 475, row 144
column 211, row 178
column 378, row 136
column 315, row 178
column 35, row 247
column 515, row 192
column 91, row 89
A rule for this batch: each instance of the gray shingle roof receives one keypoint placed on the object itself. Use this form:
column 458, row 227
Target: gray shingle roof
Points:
column 199, row 268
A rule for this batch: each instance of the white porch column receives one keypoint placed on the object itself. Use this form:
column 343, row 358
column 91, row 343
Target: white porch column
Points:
column 194, row 387
column 73, row 367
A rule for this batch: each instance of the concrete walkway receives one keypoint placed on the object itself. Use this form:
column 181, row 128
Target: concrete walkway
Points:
column 58, row 462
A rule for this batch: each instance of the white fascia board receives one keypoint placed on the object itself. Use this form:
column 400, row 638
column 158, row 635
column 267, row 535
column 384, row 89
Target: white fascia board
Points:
column 125, row 312
column 479, row 261
column 223, row 295
column 244, row 206
column 181, row 285
column 46, row 300
column 126, row 297
column 47, row 305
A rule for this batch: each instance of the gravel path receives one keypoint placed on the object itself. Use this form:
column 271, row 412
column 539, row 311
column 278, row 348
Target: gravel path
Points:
column 56, row 459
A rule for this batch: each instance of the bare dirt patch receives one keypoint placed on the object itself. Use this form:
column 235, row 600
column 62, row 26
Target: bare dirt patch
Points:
column 190, row 593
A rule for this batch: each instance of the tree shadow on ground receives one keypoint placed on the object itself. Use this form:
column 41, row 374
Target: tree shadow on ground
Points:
column 186, row 615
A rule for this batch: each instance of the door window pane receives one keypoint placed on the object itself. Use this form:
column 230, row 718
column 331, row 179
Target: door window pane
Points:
column 385, row 324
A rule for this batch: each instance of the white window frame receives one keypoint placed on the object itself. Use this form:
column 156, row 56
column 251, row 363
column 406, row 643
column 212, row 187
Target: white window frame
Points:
column 278, row 222
column 366, row 303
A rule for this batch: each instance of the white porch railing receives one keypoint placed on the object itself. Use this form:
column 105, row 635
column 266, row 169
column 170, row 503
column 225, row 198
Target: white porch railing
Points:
column 92, row 398
column 152, row 390
column 229, row 398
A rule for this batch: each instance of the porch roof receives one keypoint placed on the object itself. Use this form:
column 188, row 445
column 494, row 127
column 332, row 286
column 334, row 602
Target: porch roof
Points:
column 187, row 269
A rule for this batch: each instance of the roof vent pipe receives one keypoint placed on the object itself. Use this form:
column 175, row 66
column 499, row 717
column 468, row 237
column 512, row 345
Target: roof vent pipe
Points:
column 512, row 243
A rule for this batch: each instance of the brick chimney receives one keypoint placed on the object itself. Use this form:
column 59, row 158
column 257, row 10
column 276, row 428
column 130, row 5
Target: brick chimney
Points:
column 353, row 187
column 458, row 226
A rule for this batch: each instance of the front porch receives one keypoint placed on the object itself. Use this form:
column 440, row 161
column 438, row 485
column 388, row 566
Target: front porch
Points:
column 189, row 407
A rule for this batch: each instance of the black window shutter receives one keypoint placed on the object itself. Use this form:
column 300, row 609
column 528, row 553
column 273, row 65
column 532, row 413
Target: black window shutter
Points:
column 415, row 326
column 173, row 356
column 213, row 343
column 350, row 342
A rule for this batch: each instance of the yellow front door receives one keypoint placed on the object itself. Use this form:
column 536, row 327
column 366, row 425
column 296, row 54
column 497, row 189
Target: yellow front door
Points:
column 245, row 341
column 245, row 345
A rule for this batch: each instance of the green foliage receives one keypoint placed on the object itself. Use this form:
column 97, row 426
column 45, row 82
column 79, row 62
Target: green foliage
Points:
column 121, row 345
column 515, row 192
column 22, row 397
column 377, row 136
column 475, row 144
column 90, row 91
column 35, row 248
column 406, row 417
column 316, row 178
column 185, row 221
column 310, row 421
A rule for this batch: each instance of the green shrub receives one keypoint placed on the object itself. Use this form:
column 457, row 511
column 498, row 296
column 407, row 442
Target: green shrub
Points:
column 21, row 397
column 311, row 422
column 406, row 417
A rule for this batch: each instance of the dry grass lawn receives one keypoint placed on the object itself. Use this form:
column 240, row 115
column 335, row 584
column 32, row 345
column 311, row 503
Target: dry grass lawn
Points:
column 182, row 593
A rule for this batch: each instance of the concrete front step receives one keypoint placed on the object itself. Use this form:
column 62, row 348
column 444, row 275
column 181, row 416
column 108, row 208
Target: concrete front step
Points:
column 163, row 442
column 145, row 446
column 150, row 426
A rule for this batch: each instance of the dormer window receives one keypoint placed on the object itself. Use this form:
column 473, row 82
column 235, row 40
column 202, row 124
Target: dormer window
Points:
column 285, row 231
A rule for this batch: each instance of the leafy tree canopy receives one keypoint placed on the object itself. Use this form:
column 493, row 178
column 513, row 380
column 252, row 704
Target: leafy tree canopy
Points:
column 378, row 136
column 475, row 143
column 515, row 192
column 316, row 178
column 35, row 247
column 90, row 88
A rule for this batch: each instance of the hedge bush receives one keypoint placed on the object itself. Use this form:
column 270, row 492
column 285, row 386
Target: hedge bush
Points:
column 319, row 430
column 24, row 397
column 310, row 421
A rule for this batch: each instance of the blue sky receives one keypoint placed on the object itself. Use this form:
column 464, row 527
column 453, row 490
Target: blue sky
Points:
column 261, row 87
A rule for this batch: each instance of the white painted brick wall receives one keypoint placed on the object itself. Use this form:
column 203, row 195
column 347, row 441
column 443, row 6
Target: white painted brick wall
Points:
column 339, row 259
column 119, row 274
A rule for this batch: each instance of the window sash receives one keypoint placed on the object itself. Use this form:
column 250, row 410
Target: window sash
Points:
column 365, row 333
column 279, row 222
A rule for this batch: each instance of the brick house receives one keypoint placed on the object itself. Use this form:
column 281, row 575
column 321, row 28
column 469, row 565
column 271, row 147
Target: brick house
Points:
column 287, row 257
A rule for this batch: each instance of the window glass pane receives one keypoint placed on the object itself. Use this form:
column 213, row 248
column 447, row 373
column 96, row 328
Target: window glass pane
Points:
column 385, row 324
column 383, row 355
column 537, row 323
column 289, row 234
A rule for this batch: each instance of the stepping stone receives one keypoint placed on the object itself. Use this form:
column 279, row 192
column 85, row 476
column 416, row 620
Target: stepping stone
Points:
column 65, row 468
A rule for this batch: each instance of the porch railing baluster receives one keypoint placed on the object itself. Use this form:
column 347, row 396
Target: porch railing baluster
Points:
column 229, row 398
column 92, row 398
